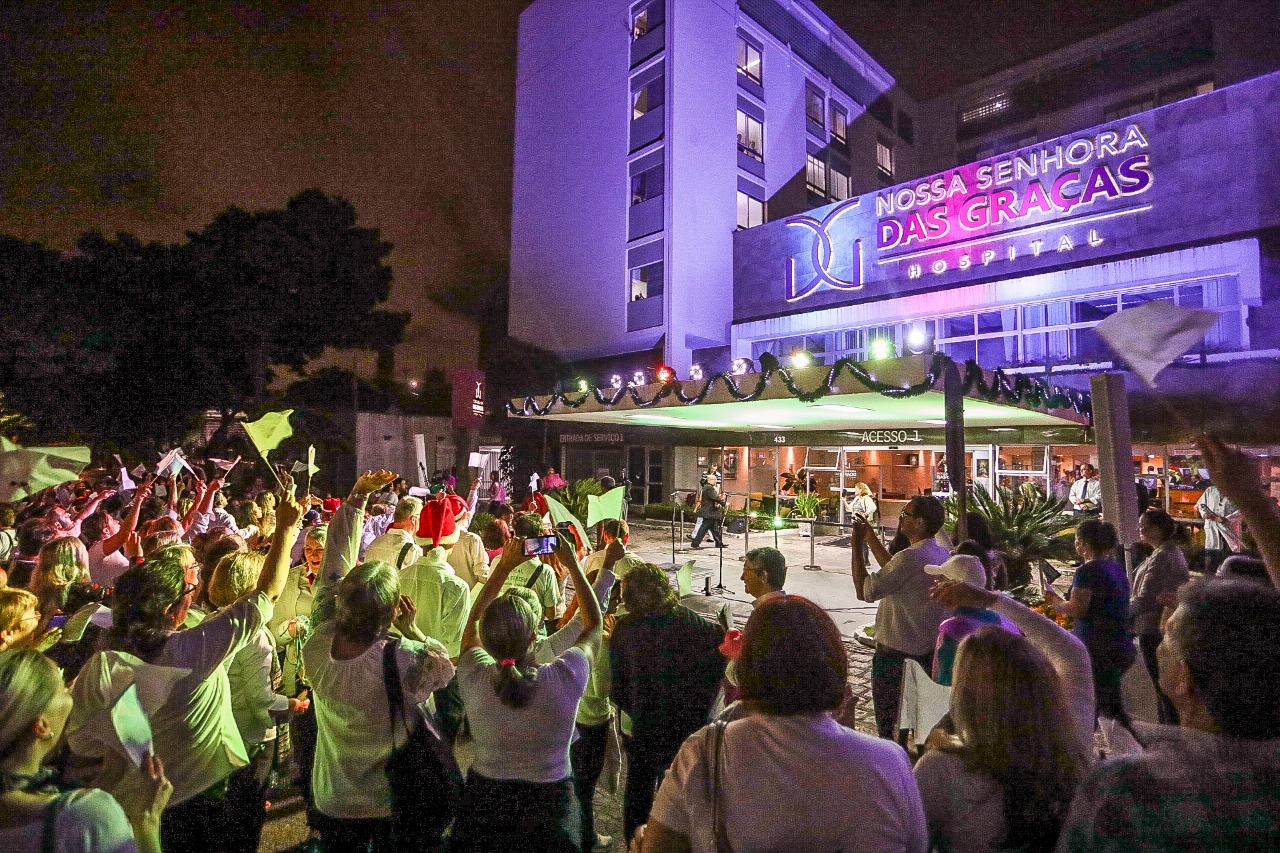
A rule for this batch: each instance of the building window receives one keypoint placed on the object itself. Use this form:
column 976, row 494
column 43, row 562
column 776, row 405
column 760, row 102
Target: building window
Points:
column 814, row 106
column 640, row 23
column 646, row 282
column 884, row 158
column 646, row 185
column 750, row 136
column 750, row 211
column 840, row 185
column 986, row 108
column 815, row 175
column 839, row 124
column 749, row 61
column 649, row 96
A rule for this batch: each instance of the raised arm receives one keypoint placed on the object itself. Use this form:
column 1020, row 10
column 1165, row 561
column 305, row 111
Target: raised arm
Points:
column 585, row 596
column 275, row 571
column 130, row 524
column 511, row 556
column 1064, row 650
column 343, row 545
column 1236, row 476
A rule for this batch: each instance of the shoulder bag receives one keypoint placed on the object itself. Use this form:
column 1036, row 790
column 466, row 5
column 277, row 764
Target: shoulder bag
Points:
column 426, row 784
column 714, row 777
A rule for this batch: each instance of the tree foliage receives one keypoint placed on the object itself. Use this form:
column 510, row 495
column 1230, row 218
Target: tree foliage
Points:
column 126, row 343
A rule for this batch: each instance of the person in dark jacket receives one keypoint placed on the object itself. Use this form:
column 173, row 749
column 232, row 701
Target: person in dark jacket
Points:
column 666, row 668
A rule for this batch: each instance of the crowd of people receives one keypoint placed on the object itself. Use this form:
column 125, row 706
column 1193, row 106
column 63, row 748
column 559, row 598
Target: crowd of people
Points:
column 170, row 655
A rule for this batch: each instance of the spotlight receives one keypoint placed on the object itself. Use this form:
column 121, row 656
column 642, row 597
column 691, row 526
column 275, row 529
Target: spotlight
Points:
column 917, row 340
column 741, row 367
column 801, row 358
column 583, row 386
column 881, row 348
column 413, row 383
column 615, row 380
column 665, row 374
column 637, row 378
column 777, row 521
column 695, row 372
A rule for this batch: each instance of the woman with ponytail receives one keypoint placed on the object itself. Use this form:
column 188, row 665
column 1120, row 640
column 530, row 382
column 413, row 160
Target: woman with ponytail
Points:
column 520, row 792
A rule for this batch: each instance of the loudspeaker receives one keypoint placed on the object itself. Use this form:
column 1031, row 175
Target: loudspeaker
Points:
column 737, row 524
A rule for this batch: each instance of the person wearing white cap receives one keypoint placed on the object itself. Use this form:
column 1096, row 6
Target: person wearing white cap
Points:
column 966, row 569
column 442, row 599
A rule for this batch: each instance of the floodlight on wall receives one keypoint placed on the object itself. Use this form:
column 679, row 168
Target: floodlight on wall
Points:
column 583, row 385
column 637, row 378
column 881, row 348
column 615, row 380
column 695, row 372
column 665, row 374
column 740, row 367
column 801, row 358
column 917, row 340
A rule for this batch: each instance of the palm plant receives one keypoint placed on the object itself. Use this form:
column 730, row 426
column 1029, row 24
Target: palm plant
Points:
column 1025, row 526
column 574, row 495
column 806, row 505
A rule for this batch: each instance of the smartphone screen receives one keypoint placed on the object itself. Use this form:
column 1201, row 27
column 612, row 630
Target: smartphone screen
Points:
column 59, row 620
column 539, row 545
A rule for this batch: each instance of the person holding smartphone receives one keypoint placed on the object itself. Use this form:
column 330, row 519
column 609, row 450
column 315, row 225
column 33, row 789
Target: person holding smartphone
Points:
column 533, row 573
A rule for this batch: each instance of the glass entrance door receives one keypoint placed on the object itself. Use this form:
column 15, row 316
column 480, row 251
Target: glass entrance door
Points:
column 645, row 483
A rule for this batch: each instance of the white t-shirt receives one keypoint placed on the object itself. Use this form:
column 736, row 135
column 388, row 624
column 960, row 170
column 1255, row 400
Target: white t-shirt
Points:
column 105, row 568
column 354, row 719
column 795, row 783
column 529, row 743
column 90, row 821
column 195, row 729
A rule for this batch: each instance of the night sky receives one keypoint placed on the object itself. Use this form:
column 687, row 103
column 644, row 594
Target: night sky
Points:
column 152, row 117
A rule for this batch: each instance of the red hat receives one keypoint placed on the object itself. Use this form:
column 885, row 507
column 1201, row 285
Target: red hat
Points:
column 456, row 505
column 331, row 504
column 436, row 525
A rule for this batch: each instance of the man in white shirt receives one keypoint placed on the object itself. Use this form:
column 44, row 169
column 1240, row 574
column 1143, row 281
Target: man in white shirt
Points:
column 1221, row 523
column 397, row 545
column 907, row 619
column 1086, row 493
column 533, row 573
column 612, row 530
column 468, row 556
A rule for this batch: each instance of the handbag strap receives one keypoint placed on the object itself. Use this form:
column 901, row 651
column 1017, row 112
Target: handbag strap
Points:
column 537, row 573
column 717, row 813
column 395, row 693
column 403, row 551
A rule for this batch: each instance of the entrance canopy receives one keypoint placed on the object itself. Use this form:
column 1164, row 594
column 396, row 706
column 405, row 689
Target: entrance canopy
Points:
column 849, row 397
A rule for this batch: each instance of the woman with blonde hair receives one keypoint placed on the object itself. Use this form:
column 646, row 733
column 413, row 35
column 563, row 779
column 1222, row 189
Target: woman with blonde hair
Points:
column 1022, row 723
column 520, row 792
column 63, row 565
column 254, row 676
column 19, row 617
column 35, row 813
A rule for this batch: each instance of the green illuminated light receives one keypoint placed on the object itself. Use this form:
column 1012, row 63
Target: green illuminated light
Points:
column 881, row 348
column 777, row 521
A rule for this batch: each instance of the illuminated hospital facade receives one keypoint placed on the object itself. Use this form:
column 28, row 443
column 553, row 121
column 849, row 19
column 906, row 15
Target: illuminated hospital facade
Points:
column 706, row 186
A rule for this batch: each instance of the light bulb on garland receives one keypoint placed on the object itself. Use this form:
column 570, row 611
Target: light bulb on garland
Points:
column 665, row 374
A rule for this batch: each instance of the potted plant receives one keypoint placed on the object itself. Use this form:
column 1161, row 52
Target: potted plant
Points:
column 1025, row 527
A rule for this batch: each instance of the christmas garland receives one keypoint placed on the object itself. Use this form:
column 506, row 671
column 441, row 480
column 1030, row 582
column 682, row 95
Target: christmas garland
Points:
column 1018, row 389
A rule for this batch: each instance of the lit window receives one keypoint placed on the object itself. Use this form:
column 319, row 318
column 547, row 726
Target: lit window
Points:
column 749, row 61
column 646, row 282
column 839, row 123
column 646, row 185
column 750, row 136
column 640, row 24
column 815, row 175
column 648, row 97
column 814, row 106
column 840, row 184
column 884, row 158
column 750, row 211
column 985, row 108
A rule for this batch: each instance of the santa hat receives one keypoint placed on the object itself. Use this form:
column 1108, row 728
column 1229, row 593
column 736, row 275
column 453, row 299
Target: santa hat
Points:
column 436, row 525
column 331, row 505
column 457, row 505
